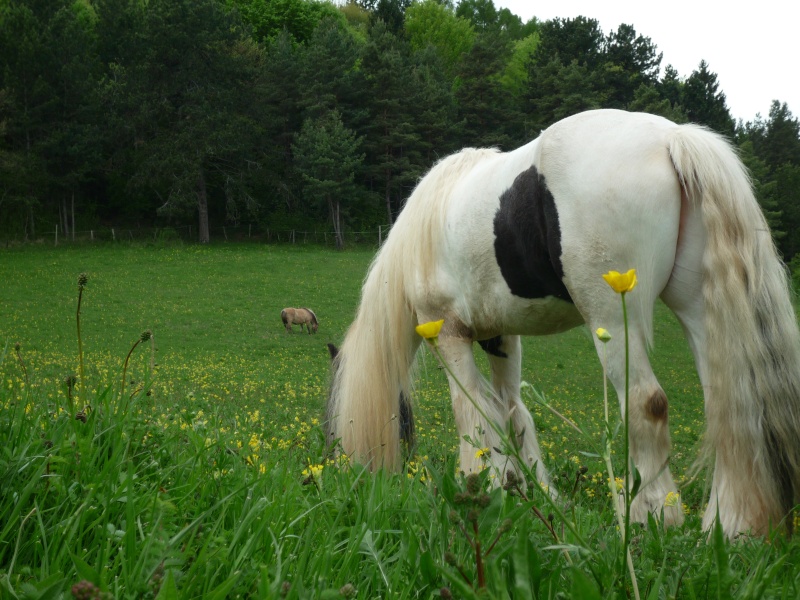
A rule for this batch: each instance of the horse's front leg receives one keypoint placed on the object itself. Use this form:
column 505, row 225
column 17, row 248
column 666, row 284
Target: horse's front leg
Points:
column 477, row 411
column 505, row 358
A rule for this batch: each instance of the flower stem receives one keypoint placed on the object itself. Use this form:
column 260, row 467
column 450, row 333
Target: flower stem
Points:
column 125, row 367
column 80, row 352
column 627, row 529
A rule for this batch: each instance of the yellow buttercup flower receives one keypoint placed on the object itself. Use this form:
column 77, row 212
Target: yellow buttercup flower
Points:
column 314, row 471
column 430, row 330
column 621, row 282
column 602, row 334
column 672, row 499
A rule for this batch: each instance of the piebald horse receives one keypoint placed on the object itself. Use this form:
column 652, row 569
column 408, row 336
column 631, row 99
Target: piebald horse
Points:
column 501, row 245
column 300, row 316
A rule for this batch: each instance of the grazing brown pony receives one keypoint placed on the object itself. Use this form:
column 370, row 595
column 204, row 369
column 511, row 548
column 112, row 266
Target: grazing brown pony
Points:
column 300, row 316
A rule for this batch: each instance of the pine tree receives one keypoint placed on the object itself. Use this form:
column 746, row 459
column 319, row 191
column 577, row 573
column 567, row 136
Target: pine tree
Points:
column 327, row 155
column 392, row 142
column 705, row 103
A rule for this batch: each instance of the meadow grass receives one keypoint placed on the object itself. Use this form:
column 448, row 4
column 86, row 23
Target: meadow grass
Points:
column 207, row 476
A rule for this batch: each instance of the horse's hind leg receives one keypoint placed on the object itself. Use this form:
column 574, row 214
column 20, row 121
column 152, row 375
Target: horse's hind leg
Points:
column 648, row 432
column 505, row 358
column 648, row 422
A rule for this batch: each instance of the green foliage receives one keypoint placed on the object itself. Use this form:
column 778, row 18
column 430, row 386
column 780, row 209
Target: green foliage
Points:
column 194, row 100
column 648, row 99
column 631, row 62
column 764, row 188
column 486, row 109
column 432, row 23
column 392, row 142
column 328, row 156
column 515, row 75
column 781, row 143
column 122, row 112
column 704, row 102
column 48, row 138
column 299, row 18
column 771, row 149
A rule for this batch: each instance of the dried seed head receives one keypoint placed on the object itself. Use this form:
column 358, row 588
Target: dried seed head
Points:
column 348, row 590
column 445, row 593
column 16, row 347
column 473, row 483
column 146, row 335
column 450, row 559
column 83, row 279
column 461, row 498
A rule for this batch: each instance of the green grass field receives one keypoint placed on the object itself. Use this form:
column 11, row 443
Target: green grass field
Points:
column 207, row 475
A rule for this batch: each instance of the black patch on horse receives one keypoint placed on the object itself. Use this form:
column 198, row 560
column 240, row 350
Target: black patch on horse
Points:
column 527, row 241
column 492, row 346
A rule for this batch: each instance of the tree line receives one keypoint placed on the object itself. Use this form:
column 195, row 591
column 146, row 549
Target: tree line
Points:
column 296, row 114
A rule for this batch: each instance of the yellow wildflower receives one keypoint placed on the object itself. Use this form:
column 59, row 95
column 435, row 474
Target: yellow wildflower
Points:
column 672, row 499
column 483, row 453
column 621, row 282
column 314, row 470
column 430, row 330
column 602, row 335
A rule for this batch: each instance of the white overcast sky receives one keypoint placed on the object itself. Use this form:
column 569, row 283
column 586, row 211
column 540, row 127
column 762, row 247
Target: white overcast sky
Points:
column 753, row 48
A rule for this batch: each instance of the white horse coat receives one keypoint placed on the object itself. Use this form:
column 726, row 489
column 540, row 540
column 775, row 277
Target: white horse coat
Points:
column 507, row 244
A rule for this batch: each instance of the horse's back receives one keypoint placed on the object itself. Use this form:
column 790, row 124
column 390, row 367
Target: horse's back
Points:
column 528, row 232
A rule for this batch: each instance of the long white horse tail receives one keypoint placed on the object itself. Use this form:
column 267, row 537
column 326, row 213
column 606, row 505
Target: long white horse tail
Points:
column 751, row 338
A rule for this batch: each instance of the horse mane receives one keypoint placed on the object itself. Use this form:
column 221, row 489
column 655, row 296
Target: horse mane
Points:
column 424, row 222
column 313, row 316
column 374, row 367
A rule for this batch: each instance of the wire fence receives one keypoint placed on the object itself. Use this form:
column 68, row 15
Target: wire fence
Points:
column 189, row 234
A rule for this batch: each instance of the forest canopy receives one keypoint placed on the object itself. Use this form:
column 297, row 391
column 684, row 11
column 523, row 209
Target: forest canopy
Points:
column 302, row 114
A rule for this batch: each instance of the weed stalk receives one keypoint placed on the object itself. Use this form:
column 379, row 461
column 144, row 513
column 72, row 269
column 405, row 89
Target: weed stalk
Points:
column 146, row 335
column 83, row 279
